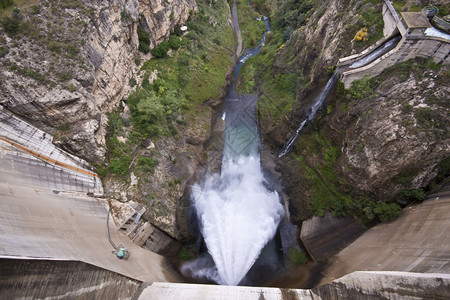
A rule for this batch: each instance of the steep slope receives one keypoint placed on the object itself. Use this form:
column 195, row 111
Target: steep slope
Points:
column 383, row 137
column 66, row 64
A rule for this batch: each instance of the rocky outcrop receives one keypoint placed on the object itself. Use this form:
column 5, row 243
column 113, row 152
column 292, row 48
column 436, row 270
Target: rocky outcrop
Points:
column 310, row 54
column 363, row 148
column 394, row 139
column 70, row 80
column 373, row 145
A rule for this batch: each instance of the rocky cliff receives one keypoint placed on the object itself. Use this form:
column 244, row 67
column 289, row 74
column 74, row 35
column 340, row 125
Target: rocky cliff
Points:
column 383, row 137
column 66, row 64
column 380, row 138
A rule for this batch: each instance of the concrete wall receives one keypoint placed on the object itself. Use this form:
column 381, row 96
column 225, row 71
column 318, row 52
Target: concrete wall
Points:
column 417, row 241
column 39, row 279
column 358, row 285
column 390, row 18
column 325, row 236
column 47, row 210
column 431, row 47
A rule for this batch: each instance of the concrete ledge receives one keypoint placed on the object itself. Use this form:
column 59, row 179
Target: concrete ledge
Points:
column 358, row 285
column 170, row 291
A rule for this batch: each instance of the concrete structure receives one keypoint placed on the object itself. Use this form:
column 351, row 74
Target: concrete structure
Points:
column 418, row 241
column 325, row 236
column 358, row 285
column 47, row 208
column 40, row 159
column 419, row 39
column 390, row 18
column 44, row 279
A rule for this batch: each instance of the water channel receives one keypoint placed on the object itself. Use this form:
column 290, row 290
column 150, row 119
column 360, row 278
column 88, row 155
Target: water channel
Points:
column 238, row 215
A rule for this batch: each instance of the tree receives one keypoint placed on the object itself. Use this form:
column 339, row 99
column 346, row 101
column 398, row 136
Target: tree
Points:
column 161, row 49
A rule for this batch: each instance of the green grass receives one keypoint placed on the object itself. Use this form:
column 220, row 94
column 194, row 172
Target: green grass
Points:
column 197, row 70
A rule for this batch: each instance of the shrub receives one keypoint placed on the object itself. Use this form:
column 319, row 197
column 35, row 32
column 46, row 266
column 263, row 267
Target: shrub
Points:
column 161, row 50
column 413, row 195
column 361, row 35
column 124, row 16
column 387, row 211
column 120, row 165
column 10, row 25
column 144, row 39
column 3, row 51
column 177, row 30
column 146, row 164
column 35, row 9
column 174, row 42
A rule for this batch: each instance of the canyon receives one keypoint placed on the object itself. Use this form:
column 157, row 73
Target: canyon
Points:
column 74, row 74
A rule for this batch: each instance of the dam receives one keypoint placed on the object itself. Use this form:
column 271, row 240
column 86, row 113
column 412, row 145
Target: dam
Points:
column 53, row 239
column 53, row 219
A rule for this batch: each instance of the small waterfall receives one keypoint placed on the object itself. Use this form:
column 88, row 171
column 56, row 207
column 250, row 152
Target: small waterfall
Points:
column 312, row 113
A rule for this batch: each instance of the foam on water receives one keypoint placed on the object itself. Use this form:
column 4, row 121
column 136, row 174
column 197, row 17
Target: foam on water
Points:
column 238, row 216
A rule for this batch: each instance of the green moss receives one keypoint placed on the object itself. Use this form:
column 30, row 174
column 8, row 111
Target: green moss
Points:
column 296, row 256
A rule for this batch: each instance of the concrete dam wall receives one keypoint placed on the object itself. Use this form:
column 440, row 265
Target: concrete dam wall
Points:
column 39, row 279
column 48, row 209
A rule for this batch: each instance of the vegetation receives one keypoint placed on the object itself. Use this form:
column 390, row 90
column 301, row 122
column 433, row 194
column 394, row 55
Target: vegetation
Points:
column 194, row 73
column 198, row 68
column 161, row 49
column 291, row 15
column 6, row 3
column 144, row 39
column 296, row 256
column 251, row 28
column 329, row 191
column 153, row 112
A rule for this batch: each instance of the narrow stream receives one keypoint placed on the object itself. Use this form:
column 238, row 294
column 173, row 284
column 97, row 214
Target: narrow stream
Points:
column 238, row 215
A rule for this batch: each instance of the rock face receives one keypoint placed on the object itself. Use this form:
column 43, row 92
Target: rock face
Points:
column 394, row 139
column 365, row 147
column 373, row 145
column 310, row 53
column 70, row 80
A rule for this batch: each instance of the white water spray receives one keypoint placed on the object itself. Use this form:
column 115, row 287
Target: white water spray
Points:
column 238, row 216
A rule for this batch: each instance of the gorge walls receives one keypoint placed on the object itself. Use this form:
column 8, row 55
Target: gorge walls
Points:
column 68, row 64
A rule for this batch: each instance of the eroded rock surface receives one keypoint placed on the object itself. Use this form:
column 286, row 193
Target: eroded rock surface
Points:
column 75, row 62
